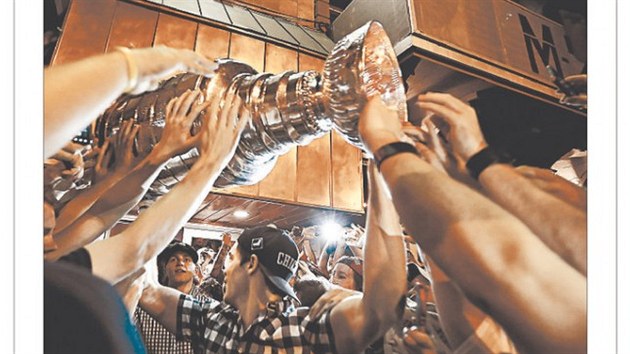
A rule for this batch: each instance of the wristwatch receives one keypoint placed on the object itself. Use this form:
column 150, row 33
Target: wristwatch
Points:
column 389, row 150
column 484, row 158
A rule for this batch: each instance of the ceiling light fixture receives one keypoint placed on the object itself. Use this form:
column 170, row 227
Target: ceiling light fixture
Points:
column 241, row 214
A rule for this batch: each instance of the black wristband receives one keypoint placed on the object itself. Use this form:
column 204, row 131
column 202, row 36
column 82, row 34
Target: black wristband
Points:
column 484, row 158
column 389, row 150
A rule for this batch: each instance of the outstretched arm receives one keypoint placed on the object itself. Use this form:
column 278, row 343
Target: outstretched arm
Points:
column 358, row 321
column 458, row 316
column 217, row 267
column 126, row 189
column 116, row 257
column 92, row 84
column 495, row 259
column 118, row 148
column 559, row 225
column 218, row 142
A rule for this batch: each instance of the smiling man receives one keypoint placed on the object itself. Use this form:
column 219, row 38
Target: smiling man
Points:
column 178, row 260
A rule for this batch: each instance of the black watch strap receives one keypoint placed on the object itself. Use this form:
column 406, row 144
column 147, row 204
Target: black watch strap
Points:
column 389, row 150
column 484, row 158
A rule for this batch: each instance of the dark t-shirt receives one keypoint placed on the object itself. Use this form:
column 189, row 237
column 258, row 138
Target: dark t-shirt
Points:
column 83, row 313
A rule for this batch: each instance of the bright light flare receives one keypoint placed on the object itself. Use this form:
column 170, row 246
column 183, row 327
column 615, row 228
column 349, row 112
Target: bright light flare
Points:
column 331, row 230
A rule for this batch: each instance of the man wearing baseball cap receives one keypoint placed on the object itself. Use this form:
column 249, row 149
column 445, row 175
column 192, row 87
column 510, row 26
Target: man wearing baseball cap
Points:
column 177, row 262
column 254, row 318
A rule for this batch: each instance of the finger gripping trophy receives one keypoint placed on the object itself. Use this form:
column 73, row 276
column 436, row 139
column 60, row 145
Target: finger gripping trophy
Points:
column 287, row 109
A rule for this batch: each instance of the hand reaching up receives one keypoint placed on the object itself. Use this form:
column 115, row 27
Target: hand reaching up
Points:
column 464, row 133
column 221, row 130
column 379, row 125
column 117, row 156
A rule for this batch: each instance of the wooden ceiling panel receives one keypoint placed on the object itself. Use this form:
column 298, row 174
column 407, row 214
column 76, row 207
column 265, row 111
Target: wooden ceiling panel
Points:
column 219, row 210
column 204, row 211
column 268, row 212
column 133, row 26
column 226, row 212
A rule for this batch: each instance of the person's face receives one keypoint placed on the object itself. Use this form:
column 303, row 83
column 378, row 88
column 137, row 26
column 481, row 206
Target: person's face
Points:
column 235, row 281
column 343, row 276
column 179, row 268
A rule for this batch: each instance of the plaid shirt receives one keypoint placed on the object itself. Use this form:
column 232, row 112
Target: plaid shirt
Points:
column 157, row 339
column 215, row 327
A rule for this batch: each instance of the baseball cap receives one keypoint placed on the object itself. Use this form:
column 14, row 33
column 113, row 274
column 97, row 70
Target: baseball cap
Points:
column 355, row 263
column 177, row 246
column 277, row 252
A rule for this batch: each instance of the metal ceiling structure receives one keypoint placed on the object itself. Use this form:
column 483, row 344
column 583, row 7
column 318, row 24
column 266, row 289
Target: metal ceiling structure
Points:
column 254, row 21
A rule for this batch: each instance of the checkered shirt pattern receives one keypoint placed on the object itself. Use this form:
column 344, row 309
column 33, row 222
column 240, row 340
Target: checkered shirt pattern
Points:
column 157, row 339
column 215, row 327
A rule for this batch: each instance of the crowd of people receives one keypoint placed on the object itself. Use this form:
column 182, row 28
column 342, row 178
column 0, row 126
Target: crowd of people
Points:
column 461, row 252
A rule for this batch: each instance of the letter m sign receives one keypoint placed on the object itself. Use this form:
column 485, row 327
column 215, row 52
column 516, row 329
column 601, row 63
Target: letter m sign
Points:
column 545, row 50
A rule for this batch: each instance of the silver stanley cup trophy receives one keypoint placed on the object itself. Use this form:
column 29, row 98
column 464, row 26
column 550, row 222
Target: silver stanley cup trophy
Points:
column 287, row 109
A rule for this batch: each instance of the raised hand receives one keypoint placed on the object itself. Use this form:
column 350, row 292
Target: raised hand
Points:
column 379, row 125
column 440, row 155
column 329, row 300
column 125, row 158
column 227, row 239
column 103, row 161
column 71, row 157
column 464, row 133
column 181, row 113
column 117, row 156
column 222, row 127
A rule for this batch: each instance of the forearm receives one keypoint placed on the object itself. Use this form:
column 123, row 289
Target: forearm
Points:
column 161, row 303
column 90, row 84
column 498, row 263
column 340, row 251
column 104, row 213
column 79, row 234
column 172, row 211
column 308, row 250
column 155, row 227
column 132, row 186
column 384, row 277
column 559, row 225
column 322, row 263
column 385, row 271
column 130, row 289
column 429, row 202
column 450, row 221
column 84, row 201
column 458, row 316
column 217, row 267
